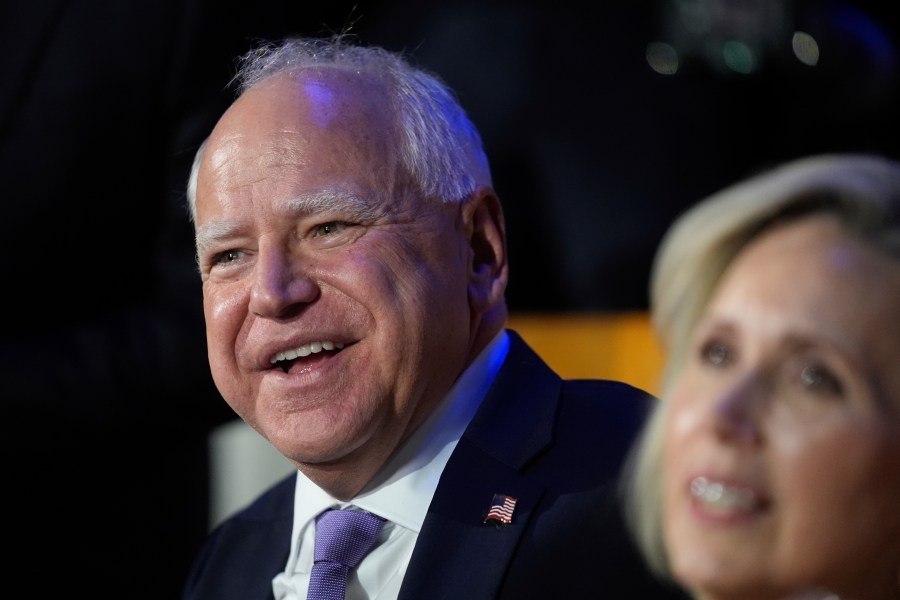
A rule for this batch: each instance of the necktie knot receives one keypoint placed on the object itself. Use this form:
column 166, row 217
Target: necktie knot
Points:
column 343, row 538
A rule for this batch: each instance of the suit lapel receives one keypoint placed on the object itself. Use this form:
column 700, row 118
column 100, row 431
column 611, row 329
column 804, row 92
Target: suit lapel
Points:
column 457, row 555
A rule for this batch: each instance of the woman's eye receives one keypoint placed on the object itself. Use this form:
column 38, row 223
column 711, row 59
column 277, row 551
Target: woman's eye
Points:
column 715, row 353
column 816, row 377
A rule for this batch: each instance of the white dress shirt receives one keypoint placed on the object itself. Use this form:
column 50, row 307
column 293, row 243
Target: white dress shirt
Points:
column 401, row 492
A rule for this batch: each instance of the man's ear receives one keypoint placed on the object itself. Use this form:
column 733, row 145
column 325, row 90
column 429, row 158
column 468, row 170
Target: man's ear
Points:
column 484, row 223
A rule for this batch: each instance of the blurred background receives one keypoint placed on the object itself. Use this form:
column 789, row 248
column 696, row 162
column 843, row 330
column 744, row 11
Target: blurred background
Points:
column 602, row 124
column 605, row 121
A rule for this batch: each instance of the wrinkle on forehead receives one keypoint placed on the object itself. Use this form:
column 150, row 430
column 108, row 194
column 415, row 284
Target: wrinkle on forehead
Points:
column 280, row 149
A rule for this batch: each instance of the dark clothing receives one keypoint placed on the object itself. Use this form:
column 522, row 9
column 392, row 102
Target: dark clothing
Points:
column 556, row 446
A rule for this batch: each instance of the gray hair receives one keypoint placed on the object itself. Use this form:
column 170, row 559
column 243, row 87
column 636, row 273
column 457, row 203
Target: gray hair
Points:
column 439, row 146
column 860, row 191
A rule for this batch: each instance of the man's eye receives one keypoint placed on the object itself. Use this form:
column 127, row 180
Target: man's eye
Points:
column 817, row 378
column 329, row 228
column 226, row 257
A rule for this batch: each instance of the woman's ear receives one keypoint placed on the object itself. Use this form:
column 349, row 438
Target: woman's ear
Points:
column 484, row 223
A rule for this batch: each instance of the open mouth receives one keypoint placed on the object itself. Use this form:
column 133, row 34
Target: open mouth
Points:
column 720, row 496
column 284, row 360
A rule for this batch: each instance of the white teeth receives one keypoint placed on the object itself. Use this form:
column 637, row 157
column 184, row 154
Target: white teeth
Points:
column 719, row 495
column 305, row 350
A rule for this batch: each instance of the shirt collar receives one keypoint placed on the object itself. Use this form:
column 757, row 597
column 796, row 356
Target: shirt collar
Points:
column 401, row 492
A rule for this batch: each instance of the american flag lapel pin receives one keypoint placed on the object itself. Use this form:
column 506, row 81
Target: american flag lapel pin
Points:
column 501, row 511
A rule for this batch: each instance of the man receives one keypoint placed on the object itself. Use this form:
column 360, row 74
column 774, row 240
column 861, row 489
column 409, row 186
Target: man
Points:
column 353, row 257
column 107, row 398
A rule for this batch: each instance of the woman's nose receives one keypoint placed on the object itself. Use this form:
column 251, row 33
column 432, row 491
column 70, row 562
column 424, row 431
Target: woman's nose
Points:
column 737, row 409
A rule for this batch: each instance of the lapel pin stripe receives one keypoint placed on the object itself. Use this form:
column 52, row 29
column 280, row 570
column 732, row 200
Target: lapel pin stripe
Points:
column 501, row 512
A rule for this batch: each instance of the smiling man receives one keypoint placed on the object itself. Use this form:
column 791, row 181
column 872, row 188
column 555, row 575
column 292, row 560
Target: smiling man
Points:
column 353, row 257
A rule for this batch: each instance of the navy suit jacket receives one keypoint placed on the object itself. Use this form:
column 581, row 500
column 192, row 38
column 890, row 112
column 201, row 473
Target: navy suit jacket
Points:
column 556, row 446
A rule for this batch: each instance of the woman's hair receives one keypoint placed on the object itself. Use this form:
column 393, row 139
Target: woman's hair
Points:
column 439, row 146
column 860, row 191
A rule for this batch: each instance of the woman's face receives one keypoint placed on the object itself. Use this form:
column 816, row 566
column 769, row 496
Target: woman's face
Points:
column 782, row 440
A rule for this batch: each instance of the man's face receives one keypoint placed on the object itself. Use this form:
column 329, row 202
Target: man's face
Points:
column 335, row 297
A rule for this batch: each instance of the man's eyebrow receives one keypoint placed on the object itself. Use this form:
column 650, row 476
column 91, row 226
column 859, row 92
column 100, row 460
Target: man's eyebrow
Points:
column 348, row 205
column 213, row 230
column 331, row 200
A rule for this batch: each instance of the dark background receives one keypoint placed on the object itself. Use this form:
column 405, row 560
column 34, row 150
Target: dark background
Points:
column 105, row 394
column 594, row 153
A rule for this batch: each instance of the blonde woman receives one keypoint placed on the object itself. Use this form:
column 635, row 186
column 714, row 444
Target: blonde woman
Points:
column 771, row 469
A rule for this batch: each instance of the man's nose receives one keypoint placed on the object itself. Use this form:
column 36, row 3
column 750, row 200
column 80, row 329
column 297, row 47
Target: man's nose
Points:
column 281, row 284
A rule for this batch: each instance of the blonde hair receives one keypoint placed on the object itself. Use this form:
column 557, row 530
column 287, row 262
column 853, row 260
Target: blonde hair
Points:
column 861, row 191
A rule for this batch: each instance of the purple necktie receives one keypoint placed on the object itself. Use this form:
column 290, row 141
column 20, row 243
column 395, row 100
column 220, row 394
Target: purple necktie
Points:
column 343, row 537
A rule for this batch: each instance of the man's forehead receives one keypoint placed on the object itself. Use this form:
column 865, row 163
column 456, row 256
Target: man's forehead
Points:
column 298, row 102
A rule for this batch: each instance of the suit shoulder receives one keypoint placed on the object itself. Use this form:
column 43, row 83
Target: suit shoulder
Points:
column 608, row 394
column 603, row 412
